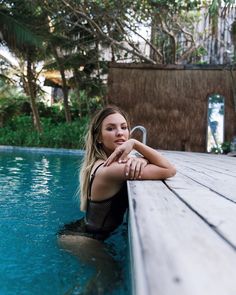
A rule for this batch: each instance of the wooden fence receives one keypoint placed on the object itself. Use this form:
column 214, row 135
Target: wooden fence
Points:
column 171, row 101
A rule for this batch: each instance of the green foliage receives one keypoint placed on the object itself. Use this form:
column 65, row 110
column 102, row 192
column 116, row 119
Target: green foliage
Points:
column 54, row 112
column 20, row 25
column 82, row 104
column 225, row 146
column 17, row 31
column 216, row 4
column 216, row 150
column 200, row 51
column 12, row 102
column 19, row 132
column 17, row 125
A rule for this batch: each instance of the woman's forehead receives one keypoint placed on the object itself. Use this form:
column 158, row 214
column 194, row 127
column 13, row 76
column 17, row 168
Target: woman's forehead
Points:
column 116, row 118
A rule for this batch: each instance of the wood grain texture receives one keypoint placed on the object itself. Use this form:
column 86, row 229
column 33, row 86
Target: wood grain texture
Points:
column 183, row 233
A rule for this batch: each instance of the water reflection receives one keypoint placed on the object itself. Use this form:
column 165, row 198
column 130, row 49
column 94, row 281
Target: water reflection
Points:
column 36, row 199
column 215, row 119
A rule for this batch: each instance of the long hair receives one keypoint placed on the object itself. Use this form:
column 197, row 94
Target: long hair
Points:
column 94, row 150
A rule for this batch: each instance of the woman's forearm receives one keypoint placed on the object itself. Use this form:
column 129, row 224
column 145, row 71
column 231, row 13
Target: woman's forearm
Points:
column 153, row 156
column 122, row 152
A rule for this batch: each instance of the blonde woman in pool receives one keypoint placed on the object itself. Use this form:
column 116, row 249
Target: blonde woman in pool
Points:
column 107, row 165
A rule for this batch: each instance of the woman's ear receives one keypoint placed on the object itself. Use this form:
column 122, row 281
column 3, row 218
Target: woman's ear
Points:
column 99, row 140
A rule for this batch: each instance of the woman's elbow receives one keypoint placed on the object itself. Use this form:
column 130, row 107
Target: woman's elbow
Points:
column 171, row 172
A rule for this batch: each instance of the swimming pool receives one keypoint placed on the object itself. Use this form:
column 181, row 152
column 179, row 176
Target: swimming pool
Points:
column 36, row 198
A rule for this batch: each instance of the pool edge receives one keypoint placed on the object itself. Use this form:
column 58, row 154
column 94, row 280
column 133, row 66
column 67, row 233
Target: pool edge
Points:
column 42, row 150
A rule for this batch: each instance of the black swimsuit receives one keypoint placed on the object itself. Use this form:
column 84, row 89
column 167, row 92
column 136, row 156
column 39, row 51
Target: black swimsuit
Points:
column 102, row 217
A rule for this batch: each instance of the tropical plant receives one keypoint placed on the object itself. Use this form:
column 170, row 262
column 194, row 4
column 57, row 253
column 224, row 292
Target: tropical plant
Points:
column 75, row 50
column 20, row 32
column 19, row 132
column 12, row 102
column 173, row 39
column 225, row 147
column 69, row 35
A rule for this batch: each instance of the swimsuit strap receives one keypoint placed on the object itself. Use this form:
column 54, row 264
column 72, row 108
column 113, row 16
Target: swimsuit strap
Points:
column 92, row 178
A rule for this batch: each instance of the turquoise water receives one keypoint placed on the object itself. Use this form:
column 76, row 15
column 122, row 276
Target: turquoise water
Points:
column 36, row 198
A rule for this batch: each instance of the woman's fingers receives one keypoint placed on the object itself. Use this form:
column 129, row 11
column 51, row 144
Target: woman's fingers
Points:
column 133, row 168
column 127, row 168
column 123, row 156
column 141, row 169
column 121, row 153
column 109, row 160
column 113, row 157
column 137, row 170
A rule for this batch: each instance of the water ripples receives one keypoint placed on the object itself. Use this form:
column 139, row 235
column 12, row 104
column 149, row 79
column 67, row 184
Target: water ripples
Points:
column 36, row 199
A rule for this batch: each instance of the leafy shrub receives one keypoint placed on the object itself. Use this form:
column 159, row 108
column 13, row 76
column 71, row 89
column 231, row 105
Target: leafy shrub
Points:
column 55, row 112
column 225, row 146
column 12, row 103
column 82, row 104
column 20, row 132
column 216, row 150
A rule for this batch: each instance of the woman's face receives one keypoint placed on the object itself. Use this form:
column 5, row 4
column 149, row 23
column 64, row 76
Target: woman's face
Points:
column 114, row 132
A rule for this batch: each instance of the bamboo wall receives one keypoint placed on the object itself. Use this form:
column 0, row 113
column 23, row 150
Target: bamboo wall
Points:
column 171, row 101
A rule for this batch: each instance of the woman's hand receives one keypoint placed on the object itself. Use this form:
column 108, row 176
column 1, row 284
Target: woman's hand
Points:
column 160, row 167
column 134, row 167
column 121, row 153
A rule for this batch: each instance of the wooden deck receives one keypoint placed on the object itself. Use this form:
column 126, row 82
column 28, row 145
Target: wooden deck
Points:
column 183, row 230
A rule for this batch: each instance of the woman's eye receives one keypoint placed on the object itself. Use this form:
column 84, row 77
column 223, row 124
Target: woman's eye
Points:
column 124, row 127
column 109, row 128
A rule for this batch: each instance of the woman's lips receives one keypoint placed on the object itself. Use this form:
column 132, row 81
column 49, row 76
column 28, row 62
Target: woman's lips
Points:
column 120, row 141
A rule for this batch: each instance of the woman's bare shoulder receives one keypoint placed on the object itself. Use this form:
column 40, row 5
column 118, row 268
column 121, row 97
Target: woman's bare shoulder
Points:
column 107, row 180
column 115, row 171
column 96, row 165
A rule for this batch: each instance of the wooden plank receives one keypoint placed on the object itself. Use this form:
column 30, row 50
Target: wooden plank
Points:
column 208, row 162
column 178, row 252
column 224, row 186
column 139, row 281
column 220, row 163
column 212, row 162
column 194, row 155
column 215, row 209
column 223, row 162
column 222, row 183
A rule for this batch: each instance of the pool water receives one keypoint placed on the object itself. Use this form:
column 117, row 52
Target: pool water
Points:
column 36, row 198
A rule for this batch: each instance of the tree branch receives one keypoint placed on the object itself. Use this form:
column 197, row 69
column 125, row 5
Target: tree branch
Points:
column 99, row 32
column 154, row 48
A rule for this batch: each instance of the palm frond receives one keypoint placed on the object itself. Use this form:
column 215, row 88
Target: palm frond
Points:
column 16, row 34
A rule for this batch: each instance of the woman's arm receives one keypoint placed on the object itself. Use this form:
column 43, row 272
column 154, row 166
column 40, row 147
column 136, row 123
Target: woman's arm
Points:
column 158, row 168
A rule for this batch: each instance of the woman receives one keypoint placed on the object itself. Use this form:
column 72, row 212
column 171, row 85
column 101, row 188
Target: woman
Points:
column 107, row 165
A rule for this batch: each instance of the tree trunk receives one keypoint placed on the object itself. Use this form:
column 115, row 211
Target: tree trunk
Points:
column 153, row 38
column 64, row 85
column 32, row 93
column 65, row 96
column 77, row 89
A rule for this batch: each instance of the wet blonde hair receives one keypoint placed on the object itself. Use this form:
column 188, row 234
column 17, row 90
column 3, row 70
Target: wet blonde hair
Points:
column 94, row 150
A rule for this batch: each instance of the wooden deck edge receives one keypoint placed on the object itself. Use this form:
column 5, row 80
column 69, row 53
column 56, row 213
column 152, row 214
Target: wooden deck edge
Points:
column 138, row 283
column 182, row 232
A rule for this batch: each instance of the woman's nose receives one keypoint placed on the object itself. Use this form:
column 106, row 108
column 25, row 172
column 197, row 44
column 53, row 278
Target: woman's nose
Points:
column 119, row 132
